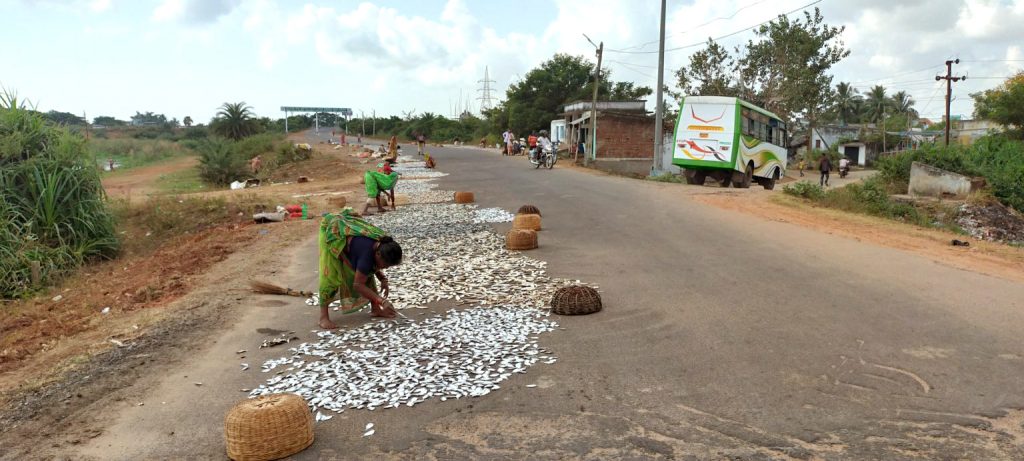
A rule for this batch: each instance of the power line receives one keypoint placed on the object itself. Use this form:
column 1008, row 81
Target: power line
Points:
column 486, row 100
column 897, row 75
column 692, row 45
column 721, row 18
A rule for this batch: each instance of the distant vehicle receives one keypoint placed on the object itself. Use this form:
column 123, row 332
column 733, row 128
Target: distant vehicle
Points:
column 729, row 140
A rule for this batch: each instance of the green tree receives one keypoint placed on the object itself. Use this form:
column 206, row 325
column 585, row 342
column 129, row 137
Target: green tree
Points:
column 187, row 121
column 108, row 121
column 876, row 104
column 537, row 99
column 626, row 91
column 235, row 121
column 64, row 118
column 902, row 103
column 148, row 118
column 1003, row 104
column 709, row 73
column 848, row 103
column 789, row 65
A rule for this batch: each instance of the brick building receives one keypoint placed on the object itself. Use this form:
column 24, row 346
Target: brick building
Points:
column 625, row 134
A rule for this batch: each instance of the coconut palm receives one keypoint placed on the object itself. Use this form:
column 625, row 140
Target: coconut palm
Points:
column 876, row 103
column 902, row 103
column 234, row 121
column 848, row 102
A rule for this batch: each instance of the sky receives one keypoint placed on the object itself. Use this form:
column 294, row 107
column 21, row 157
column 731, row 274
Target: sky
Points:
column 187, row 57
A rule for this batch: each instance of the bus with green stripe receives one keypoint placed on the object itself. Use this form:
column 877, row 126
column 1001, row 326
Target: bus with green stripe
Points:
column 729, row 140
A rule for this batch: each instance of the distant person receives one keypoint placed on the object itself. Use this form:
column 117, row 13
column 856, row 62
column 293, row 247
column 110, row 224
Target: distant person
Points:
column 393, row 148
column 421, row 143
column 110, row 162
column 507, row 138
column 483, row 142
column 581, row 148
column 824, row 166
column 844, row 163
column 801, row 166
column 256, row 164
column 531, row 141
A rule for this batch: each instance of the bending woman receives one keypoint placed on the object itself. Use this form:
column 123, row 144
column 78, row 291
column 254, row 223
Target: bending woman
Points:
column 381, row 181
column 352, row 253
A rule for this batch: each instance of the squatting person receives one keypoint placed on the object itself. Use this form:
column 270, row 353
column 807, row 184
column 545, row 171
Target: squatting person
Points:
column 352, row 253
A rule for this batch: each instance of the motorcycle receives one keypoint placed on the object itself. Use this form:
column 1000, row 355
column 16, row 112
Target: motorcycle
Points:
column 544, row 157
column 843, row 171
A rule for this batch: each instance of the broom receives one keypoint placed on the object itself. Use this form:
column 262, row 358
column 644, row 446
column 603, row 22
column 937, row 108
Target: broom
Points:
column 271, row 289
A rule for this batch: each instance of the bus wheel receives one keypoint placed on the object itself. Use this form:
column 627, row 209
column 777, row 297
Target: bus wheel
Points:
column 768, row 183
column 699, row 177
column 725, row 180
column 743, row 180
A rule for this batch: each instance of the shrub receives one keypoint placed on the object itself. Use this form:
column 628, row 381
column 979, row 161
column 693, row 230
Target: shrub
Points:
column 53, row 208
column 135, row 152
column 804, row 189
column 667, row 177
column 219, row 163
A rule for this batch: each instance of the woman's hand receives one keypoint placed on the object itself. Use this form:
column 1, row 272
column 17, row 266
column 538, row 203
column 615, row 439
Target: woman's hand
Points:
column 385, row 289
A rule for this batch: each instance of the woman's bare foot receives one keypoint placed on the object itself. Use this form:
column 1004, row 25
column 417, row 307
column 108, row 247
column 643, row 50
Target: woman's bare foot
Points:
column 327, row 324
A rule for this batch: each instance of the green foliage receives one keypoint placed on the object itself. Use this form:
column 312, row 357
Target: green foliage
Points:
column 148, row 118
column 807, row 190
column 53, row 209
column 106, row 120
column 667, row 177
column 64, row 118
column 222, row 161
column 1003, row 105
column 710, row 73
column 130, row 153
column 218, row 163
column 235, row 121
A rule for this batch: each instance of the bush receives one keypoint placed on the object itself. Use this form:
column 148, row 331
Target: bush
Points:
column 806, row 190
column 135, row 152
column 53, row 208
column 219, row 163
column 667, row 177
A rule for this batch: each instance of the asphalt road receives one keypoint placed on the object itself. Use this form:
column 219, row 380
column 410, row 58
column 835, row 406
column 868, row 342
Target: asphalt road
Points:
column 723, row 336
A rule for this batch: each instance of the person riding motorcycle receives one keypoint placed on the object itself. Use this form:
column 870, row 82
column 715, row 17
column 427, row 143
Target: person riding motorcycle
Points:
column 844, row 167
column 543, row 144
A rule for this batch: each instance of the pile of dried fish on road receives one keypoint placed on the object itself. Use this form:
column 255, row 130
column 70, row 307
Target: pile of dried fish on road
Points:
column 451, row 255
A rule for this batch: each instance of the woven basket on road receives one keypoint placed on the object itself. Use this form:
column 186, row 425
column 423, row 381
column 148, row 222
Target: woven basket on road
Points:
column 463, row 197
column 268, row 427
column 526, row 221
column 529, row 209
column 337, row 202
column 521, row 239
column 575, row 300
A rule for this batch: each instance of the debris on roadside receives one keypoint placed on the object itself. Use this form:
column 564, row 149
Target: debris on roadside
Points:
column 993, row 222
column 283, row 339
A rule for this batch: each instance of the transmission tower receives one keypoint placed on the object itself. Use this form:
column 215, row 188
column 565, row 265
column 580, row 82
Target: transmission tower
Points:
column 486, row 100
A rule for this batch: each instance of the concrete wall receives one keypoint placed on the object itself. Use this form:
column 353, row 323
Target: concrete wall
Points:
column 928, row 181
column 627, row 167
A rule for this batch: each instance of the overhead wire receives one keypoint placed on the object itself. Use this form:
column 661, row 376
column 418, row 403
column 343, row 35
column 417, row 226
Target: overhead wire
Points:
column 721, row 18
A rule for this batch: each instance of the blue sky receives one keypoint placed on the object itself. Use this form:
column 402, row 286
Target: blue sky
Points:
column 186, row 57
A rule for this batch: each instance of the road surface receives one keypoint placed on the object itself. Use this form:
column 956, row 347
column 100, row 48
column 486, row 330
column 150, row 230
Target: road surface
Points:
column 723, row 336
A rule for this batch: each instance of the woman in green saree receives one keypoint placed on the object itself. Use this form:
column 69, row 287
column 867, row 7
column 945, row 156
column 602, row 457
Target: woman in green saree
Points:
column 352, row 253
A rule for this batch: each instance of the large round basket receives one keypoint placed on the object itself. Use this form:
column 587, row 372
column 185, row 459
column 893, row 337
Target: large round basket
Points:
column 521, row 239
column 337, row 202
column 529, row 209
column 575, row 300
column 526, row 221
column 463, row 197
column 268, row 427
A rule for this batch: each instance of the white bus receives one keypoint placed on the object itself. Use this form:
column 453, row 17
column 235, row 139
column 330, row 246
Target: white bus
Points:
column 729, row 140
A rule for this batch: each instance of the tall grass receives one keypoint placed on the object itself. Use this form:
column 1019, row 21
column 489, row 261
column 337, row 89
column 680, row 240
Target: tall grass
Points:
column 131, row 152
column 53, row 208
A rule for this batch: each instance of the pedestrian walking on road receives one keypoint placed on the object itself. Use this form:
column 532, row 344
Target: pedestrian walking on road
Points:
column 801, row 166
column 421, row 143
column 824, row 166
column 506, row 139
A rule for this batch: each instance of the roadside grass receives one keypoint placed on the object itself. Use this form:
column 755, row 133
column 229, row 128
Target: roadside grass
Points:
column 667, row 177
column 133, row 153
column 871, row 197
column 181, row 182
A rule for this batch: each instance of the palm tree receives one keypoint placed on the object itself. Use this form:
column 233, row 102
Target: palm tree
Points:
column 876, row 103
column 847, row 103
column 187, row 121
column 902, row 103
column 234, row 121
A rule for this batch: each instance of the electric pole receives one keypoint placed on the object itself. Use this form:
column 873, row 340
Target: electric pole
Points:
column 949, row 78
column 659, row 144
column 593, row 106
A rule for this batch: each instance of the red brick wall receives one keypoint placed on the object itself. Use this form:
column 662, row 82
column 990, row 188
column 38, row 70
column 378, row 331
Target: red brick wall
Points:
column 624, row 136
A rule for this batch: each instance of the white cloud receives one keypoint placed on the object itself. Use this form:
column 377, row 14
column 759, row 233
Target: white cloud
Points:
column 193, row 11
column 99, row 6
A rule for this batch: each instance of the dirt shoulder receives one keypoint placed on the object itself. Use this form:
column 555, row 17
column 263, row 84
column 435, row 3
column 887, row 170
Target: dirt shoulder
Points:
column 65, row 361
column 988, row 258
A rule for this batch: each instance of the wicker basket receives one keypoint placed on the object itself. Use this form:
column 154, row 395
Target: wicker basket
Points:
column 521, row 239
column 526, row 221
column 529, row 209
column 268, row 427
column 575, row 300
column 463, row 197
column 337, row 202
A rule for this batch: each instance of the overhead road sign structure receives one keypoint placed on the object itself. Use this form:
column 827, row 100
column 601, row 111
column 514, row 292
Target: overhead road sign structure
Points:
column 344, row 111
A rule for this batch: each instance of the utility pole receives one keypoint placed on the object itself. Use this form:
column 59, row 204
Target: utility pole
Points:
column 374, row 122
column 593, row 106
column 659, row 144
column 883, row 130
column 949, row 78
